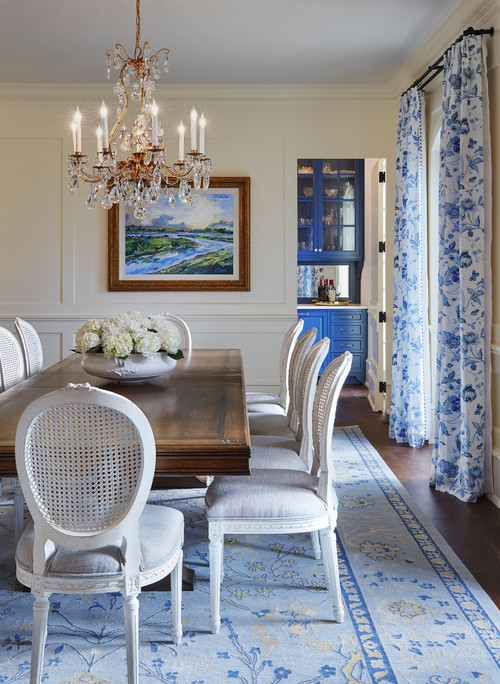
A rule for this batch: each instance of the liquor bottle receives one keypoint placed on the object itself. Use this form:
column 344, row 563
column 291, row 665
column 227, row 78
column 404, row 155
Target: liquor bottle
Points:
column 320, row 289
column 331, row 291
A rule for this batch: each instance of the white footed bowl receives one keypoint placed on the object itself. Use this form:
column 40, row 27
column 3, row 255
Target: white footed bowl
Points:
column 135, row 368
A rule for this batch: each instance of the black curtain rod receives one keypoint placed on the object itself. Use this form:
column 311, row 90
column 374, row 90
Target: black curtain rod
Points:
column 438, row 66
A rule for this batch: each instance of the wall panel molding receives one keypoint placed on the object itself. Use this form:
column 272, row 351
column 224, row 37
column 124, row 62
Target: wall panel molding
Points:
column 259, row 338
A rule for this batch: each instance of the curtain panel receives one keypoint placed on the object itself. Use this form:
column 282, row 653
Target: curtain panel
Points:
column 410, row 403
column 461, row 463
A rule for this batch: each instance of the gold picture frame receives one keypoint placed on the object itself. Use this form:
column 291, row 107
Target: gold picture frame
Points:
column 205, row 247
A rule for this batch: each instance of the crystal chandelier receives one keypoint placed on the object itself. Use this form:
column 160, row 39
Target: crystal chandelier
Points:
column 143, row 176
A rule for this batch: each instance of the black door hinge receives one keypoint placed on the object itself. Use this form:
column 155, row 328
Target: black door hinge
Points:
column 381, row 247
column 381, row 176
column 382, row 387
column 382, row 317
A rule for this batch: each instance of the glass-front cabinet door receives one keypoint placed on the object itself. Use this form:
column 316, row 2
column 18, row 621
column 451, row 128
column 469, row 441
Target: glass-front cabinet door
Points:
column 330, row 209
column 305, row 209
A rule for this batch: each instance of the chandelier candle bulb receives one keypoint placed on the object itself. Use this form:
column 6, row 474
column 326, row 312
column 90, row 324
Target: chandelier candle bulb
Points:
column 181, row 142
column 194, row 118
column 99, row 139
column 203, row 123
column 73, row 131
column 78, row 122
column 154, row 114
column 104, row 124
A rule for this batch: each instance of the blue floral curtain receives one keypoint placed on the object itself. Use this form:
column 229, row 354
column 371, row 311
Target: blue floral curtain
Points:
column 410, row 405
column 461, row 463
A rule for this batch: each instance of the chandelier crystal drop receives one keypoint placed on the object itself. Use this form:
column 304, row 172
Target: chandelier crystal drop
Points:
column 143, row 176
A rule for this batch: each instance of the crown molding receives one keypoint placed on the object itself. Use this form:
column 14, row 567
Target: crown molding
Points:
column 50, row 92
column 478, row 13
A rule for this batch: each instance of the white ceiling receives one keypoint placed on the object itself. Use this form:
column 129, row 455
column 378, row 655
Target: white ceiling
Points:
column 218, row 41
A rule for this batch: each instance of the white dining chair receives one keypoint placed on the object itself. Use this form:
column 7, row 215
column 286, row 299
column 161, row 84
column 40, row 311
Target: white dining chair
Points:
column 186, row 337
column 11, row 373
column 86, row 459
column 11, row 360
column 276, row 423
column 278, row 403
column 294, row 451
column 31, row 347
column 283, row 501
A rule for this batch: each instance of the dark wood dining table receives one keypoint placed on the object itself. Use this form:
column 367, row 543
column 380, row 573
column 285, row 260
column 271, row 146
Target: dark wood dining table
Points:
column 197, row 411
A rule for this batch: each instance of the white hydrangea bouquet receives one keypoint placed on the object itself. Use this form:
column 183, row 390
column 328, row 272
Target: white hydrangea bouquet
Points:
column 129, row 333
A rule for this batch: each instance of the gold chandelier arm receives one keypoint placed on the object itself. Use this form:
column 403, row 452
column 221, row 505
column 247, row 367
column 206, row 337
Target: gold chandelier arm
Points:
column 178, row 175
column 125, row 58
column 89, row 178
column 156, row 55
column 124, row 108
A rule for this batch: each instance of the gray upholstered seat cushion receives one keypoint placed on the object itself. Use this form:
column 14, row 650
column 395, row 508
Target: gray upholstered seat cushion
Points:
column 259, row 402
column 265, row 494
column 160, row 532
column 270, row 424
column 269, row 451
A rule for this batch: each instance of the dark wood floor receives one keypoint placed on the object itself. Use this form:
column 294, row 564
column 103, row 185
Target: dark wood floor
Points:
column 472, row 530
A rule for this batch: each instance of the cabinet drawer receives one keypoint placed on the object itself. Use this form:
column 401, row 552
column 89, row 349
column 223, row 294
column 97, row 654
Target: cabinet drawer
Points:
column 345, row 316
column 358, row 362
column 340, row 346
column 346, row 329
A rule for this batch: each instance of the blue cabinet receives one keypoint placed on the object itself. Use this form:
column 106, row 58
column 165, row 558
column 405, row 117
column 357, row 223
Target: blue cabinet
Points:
column 346, row 329
column 330, row 216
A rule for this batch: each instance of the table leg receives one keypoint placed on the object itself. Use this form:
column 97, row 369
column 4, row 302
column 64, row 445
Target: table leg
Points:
column 164, row 584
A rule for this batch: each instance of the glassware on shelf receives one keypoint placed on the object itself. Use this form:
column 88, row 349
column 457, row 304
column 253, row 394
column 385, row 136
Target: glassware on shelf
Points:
column 347, row 189
column 305, row 166
column 330, row 214
column 330, row 239
column 329, row 167
column 347, row 167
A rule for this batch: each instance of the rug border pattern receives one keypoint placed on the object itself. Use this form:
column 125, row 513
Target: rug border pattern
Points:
column 481, row 622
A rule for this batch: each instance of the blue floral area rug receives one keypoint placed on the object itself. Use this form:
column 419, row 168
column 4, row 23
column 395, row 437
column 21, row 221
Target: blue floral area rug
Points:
column 413, row 612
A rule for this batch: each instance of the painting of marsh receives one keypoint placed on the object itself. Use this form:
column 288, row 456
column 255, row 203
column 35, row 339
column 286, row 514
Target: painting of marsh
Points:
column 183, row 240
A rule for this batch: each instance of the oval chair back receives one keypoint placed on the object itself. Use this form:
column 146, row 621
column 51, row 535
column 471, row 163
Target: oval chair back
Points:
column 31, row 346
column 11, row 360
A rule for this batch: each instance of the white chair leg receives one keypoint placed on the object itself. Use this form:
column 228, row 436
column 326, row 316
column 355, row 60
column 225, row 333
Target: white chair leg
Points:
column 215, row 559
column 330, row 562
column 131, row 616
column 176, row 593
column 40, row 617
column 316, row 548
column 222, row 559
column 18, row 510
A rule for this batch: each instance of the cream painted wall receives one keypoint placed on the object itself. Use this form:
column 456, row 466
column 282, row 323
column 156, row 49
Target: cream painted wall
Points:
column 53, row 256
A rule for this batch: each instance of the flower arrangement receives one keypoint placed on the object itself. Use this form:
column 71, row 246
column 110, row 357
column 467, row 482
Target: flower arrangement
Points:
column 129, row 333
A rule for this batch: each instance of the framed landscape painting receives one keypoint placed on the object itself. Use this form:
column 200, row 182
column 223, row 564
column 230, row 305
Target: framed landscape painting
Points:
column 205, row 246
